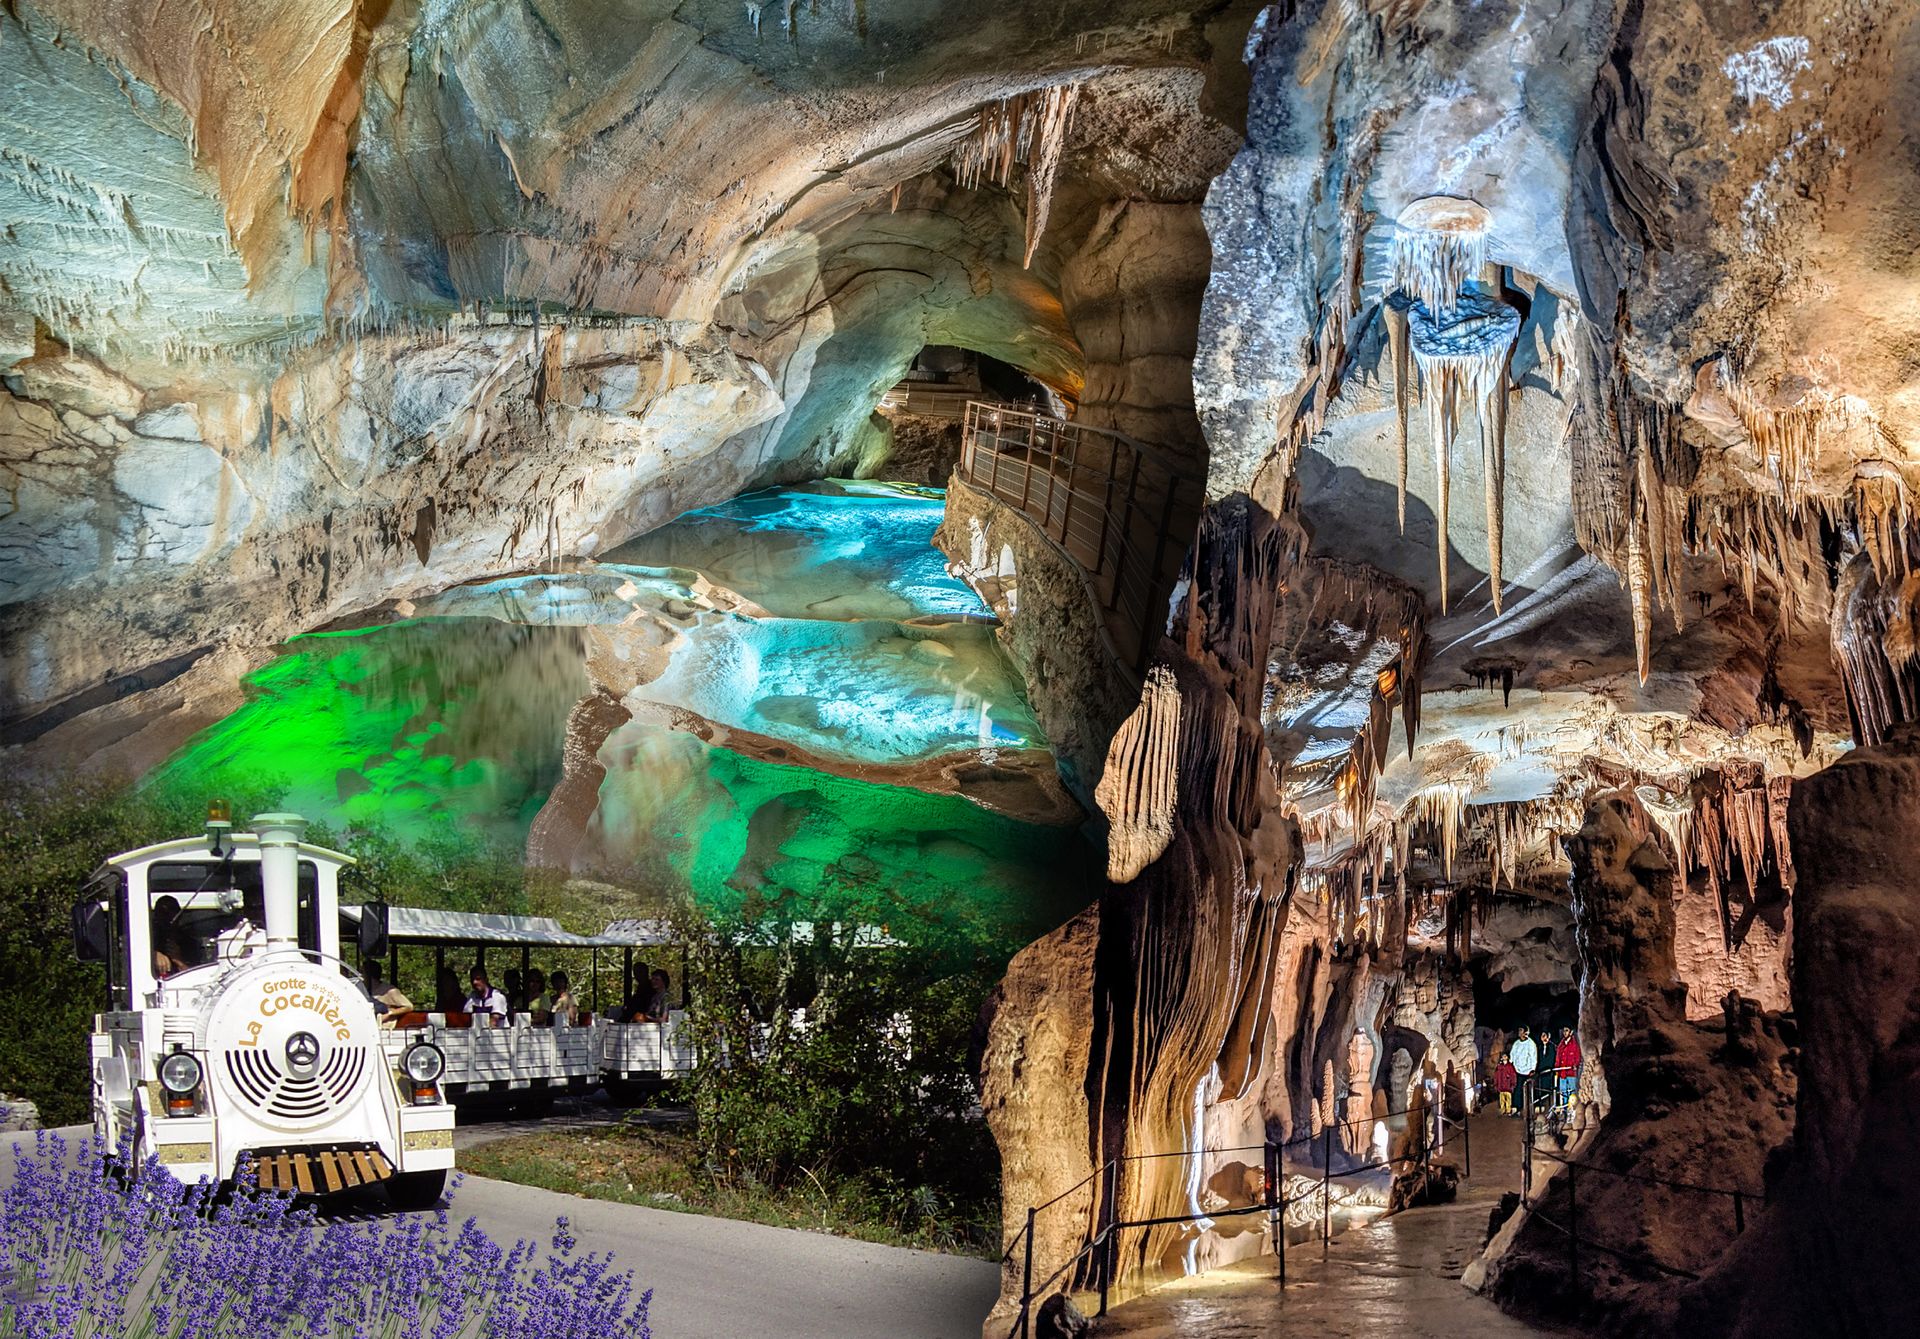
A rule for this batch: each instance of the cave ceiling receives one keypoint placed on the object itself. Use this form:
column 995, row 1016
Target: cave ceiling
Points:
column 312, row 305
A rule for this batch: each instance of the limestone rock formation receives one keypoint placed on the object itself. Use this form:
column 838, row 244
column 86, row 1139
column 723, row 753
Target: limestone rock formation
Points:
column 1829, row 1255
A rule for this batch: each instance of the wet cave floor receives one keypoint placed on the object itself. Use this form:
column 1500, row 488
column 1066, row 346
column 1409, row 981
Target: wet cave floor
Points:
column 1397, row 1276
column 782, row 705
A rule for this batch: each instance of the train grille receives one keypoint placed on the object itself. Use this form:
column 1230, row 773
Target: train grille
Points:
column 261, row 1082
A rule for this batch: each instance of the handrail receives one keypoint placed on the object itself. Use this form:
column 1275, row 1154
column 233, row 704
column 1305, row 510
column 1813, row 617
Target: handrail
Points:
column 1104, row 1240
column 1119, row 512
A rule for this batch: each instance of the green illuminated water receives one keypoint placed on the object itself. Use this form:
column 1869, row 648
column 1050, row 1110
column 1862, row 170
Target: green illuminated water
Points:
column 452, row 726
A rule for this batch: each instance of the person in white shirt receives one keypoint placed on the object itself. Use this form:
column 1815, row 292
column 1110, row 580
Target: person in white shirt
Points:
column 1525, row 1057
column 484, row 999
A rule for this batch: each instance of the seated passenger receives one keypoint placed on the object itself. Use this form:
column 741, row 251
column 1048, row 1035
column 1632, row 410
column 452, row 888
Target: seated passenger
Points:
column 485, row 1000
column 447, row 998
column 388, row 1000
column 658, row 998
column 565, row 1009
column 634, row 1010
column 516, row 995
column 537, row 1002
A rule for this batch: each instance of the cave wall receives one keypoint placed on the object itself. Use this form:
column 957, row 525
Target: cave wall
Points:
column 1831, row 1254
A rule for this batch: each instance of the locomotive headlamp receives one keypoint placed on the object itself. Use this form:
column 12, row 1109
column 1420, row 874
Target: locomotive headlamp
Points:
column 180, row 1073
column 180, row 1076
column 424, row 1064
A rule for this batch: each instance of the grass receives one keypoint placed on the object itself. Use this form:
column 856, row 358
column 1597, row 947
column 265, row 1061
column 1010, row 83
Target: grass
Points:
column 659, row 1168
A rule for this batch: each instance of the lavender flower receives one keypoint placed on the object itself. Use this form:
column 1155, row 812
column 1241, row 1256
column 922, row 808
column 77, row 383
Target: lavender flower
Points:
column 134, row 1254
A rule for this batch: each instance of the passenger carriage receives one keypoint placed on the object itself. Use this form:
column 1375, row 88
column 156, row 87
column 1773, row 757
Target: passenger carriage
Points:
column 518, row 1060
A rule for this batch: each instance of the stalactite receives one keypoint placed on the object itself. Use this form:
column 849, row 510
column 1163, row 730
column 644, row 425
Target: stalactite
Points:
column 1050, row 137
column 1439, row 246
column 1638, row 582
column 1028, row 128
column 1673, row 816
column 1395, row 310
column 1466, row 356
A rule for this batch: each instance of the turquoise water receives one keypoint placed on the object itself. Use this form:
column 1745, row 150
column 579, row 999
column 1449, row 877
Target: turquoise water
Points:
column 839, row 550
column 453, row 722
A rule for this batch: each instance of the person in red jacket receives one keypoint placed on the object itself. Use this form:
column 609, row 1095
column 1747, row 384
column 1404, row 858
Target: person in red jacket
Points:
column 1505, row 1077
column 1566, row 1064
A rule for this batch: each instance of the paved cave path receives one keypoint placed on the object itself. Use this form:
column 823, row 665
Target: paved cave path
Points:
column 1397, row 1276
column 715, row 1278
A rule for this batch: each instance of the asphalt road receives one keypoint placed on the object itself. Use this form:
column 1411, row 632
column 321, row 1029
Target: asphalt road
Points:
column 714, row 1278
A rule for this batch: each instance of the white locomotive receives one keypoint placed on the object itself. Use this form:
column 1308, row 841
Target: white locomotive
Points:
column 234, row 1030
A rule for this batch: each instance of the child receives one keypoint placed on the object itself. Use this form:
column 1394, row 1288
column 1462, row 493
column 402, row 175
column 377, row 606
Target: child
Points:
column 1505, row 1076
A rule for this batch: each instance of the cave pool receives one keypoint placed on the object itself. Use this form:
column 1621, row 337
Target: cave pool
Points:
column 819, row 621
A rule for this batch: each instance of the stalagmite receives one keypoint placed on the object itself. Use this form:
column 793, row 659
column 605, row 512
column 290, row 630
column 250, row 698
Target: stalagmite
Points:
column 1467, row 356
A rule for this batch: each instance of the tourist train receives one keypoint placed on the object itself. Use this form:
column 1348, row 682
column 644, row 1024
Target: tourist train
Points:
column 236, row 1036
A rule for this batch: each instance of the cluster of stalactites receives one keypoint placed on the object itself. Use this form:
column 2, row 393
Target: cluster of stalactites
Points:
column 1439, row 247
column 1789, row 436
column 1464, row 360
column 1461, row 340
column 1383, row 612
column 1731, row 825
column 1028, row 128
column 1365, row 892
column 1876, row 647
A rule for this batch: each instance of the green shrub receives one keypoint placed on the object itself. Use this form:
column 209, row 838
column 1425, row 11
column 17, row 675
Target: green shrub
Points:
column 847, row 1067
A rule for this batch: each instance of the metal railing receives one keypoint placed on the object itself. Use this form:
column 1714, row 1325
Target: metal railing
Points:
column 1532, row 1098
column 1123, row 511
column 1103, row 1245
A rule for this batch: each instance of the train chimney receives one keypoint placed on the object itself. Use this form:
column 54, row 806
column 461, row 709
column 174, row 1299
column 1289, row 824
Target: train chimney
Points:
column 280, row 875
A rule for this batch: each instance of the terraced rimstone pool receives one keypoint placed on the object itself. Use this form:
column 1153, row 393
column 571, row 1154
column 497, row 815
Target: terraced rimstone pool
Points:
column 822, row 636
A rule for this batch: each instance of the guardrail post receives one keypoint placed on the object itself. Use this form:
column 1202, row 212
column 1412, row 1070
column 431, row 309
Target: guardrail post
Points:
column 1526, row 1143
column 1326, row 1191
column 1739, row 1213
column 1573, row 1225
column 1276, row 1221
column 1109, row 1248
column 1126, row 534
column 1026, row 1283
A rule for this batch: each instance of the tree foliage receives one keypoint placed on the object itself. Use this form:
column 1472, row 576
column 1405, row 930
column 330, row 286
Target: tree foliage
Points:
column 826, row 1061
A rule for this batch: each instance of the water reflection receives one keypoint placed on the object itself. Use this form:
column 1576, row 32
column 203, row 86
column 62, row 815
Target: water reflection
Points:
column 821, row 619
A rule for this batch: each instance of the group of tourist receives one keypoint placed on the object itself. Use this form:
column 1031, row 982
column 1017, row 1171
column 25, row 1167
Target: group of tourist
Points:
column 546, row 1005
column 1555, row 1083
column 548, row 1002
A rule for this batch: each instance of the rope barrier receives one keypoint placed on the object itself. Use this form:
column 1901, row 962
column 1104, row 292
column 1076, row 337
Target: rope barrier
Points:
column 1273, row 1171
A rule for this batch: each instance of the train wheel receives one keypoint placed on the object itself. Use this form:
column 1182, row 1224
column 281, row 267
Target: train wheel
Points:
column 411, row 1191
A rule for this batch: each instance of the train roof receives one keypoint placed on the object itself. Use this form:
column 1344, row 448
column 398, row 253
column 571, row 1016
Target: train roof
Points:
column 425, row 925
column 238, row 842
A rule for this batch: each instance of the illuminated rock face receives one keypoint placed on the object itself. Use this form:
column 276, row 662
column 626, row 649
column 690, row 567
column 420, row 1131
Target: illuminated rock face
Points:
column 457, row 722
